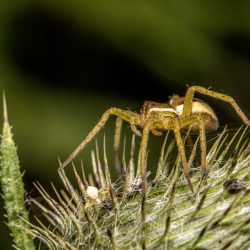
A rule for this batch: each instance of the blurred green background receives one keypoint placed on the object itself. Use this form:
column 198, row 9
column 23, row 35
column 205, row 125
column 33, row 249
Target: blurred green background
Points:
column 63, row 63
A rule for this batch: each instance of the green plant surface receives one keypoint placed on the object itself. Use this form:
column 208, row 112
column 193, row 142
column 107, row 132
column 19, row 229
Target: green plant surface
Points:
column 13, row 190
column 215, row 217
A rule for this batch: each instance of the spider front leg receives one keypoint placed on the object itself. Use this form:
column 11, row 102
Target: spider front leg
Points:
column 187, row 109
column 128, row 116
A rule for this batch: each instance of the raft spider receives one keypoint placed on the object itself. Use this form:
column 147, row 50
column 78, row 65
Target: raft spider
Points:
column 178, row 114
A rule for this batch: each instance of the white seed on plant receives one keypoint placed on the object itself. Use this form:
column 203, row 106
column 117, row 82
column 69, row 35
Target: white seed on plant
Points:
column 92, row 192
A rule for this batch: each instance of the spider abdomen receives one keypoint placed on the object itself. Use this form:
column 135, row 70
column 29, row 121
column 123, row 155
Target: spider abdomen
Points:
column 205, row 112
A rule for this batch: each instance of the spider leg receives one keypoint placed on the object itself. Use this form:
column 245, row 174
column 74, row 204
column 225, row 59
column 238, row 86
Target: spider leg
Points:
column 143, row 155
column 117, row 137
column 118, row 127
column 202, row 134
column 156, row 132
column 187, row 109
column 143, row 148
column 128, row 116
column 181, row 149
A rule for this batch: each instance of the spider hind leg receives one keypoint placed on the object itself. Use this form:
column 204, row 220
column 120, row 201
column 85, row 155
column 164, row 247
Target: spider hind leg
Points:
column 187, row 109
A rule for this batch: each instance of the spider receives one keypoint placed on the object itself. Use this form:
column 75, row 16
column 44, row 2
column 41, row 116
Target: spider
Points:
column 180, row 113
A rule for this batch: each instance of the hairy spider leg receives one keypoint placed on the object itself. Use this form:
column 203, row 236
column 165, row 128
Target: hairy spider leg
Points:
column 128, row 116
column 202, row 135
column 187, row 109
column 117, row 139
column 117, row 136
column 143, row 152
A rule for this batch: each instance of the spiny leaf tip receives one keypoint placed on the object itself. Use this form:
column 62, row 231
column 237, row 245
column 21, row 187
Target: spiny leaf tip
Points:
column 5, row 113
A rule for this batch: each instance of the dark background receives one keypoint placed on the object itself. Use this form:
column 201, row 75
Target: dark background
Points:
column 63, row 63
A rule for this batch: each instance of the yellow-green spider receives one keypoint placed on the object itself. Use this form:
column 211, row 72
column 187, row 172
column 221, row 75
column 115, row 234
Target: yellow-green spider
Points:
column 178, row 114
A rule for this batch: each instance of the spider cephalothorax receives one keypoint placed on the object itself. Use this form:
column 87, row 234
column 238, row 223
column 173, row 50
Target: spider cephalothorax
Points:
column 174, row 108
column 157, row 112
column 180, row 113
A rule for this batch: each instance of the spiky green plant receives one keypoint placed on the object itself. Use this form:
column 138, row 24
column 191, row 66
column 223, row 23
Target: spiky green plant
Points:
column 99, row 214
column 215, row 217
column 13, row 190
